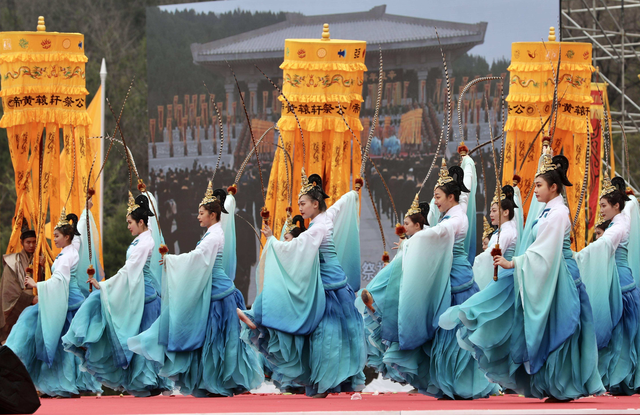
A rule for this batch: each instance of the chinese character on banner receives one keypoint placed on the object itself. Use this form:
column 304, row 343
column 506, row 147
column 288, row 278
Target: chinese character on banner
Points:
column 43, row 79
column 331, row 75
column 368, row 270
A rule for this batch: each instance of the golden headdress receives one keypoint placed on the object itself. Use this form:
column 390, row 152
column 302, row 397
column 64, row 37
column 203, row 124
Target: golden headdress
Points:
column 443, row 176
column 131, row 206
column 607, row 187
column 488, row 229
column 208, row 195
column 495, row 198
column 288, row 223
column 546, row 165
column 63, row 219
column 289, row 226
column 305, row 185
column 600, row 220
column 415, row 208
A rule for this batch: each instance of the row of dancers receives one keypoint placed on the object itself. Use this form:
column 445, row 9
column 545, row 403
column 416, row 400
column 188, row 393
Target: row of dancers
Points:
column 551, row 323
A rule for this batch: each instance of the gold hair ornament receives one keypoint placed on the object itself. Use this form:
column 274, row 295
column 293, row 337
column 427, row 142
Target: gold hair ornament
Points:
column 415, row 208
column 444, row 177
column 607, row 187
column 305, row 187
column 131, row 206
column 546, row 165
column 487, row 229
column 208, row 195
column 496, row 200
column 63, row 219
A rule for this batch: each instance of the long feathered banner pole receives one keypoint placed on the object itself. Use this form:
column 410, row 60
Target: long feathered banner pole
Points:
column 253, row 138
column 447, row 126
column 374, row 122
column 221, row 131
column 163, row 249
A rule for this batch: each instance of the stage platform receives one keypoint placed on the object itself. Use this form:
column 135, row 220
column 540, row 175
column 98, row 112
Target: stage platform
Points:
column 340, row 404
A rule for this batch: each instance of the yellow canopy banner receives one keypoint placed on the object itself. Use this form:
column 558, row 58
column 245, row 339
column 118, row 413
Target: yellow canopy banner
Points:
column 321, row 78
column 530, row 100
column 411, row 127
column 43, row 91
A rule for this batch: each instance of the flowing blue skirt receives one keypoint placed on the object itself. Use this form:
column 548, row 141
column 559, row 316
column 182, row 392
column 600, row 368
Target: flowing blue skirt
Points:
column 487, row 329
column 376, row 345
column 618, row 361
column 330, row 359
column 224, row 365
column 89, row 340
column 494, row 332
column 441, row 367
column 64, row 377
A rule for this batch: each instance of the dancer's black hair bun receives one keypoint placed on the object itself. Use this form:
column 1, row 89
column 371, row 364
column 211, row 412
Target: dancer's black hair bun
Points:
column 221, row 195
column 562, row 167
column 457, row 174
column 143, row 202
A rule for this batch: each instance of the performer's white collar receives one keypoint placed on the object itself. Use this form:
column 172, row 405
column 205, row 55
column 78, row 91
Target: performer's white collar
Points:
column 620, row 217
column 452, row 209
column 556, row 201
column 68, row 247
column 210, row 228
column 508, row 224
column 318, row 216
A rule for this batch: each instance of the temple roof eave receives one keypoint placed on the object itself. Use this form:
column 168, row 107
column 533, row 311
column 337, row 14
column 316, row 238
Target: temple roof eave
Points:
column 278, row 55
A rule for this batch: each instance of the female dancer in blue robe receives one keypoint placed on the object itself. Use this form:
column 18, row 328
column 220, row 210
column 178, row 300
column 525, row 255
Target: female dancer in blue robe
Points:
column 552, row 350
column 120, row 308
column 382, row 328
column 304, row 321
column 505, row 217
column 436, row 274
column 613, row 293
column 35, row 338
column 196, row 341
column 488, row 315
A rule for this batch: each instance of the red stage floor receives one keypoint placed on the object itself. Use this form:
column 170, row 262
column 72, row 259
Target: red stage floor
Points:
column 387, row 404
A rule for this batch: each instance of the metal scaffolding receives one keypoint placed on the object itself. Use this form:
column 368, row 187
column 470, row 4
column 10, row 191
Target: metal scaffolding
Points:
column 604, row 24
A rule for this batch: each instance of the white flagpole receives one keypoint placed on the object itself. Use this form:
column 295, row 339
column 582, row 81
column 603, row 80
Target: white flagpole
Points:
column 103, row 79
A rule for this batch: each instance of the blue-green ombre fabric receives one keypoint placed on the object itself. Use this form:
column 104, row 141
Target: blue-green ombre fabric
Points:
column 429, row 274
column 347, row 240
column 471, row 181
column 126, row 304
column 155, row 269
column 612, row 290
column 487, row 317
column 309, row 329
column 519, row 211
column 383, row 322
column 201, row 361
column 632, row 210
column 35, row 338
column 83, row 252
column 228, row 222
column 532, row 330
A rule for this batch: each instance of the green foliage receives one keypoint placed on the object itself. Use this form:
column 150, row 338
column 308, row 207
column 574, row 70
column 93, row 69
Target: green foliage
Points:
column 7, row 193
column 473, row 65
column 470, row 65
column 171, row 70
column 114, row 30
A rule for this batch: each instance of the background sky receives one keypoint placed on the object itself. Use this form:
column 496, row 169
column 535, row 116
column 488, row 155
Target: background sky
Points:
column 509, row 20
